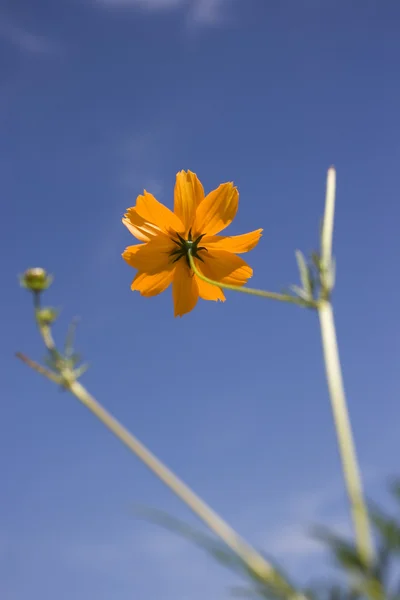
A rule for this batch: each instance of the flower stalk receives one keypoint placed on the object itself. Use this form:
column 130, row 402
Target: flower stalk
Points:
column 250, row 291
column 337, row 395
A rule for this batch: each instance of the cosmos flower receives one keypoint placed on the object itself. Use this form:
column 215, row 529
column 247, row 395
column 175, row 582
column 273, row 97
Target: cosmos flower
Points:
column 166, row 236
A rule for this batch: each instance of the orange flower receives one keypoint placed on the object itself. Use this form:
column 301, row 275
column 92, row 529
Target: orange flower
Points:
column 167, row 236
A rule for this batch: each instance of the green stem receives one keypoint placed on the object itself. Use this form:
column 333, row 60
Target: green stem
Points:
column 246, row 290
column 344, row 432
column 341, row 417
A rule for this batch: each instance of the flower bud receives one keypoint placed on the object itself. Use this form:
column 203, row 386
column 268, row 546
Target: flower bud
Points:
column 46, row 316
column 36, row 279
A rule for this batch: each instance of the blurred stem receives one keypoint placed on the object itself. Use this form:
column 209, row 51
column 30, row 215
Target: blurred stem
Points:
column 255, row 561
column 246, row 290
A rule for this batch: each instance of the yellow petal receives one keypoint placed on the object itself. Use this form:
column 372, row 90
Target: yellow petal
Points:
column 131, row 250
column 152, row 285
column 150, row 258
column 153, row 211
column 207, row 291
column 185, row 291
column 234, row 243
column 138, row 227
column 225, row 267
column 188, row 194
column 217, row 210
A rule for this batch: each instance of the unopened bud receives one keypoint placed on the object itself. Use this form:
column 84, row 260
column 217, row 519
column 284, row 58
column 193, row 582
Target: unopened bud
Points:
column 46, row 316
column 36, row 279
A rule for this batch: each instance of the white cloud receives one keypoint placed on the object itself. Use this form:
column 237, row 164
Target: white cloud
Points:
column 295, row 541
column 208, row 12
column 131, row 558
column 185, row 570
column 148, row 5
column 292, row 542
column 200, row 12
column 24, row 40
column 139, row 159
column 144, row 559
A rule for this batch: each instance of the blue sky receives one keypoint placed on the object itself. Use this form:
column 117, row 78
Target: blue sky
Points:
column 101, row 98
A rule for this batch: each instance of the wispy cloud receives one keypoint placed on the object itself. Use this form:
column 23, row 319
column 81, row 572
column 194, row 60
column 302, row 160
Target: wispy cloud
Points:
column 209, row 12
column 147, row 5
column 200, row 12
column 186, row 571
column 292, row 542
column 137, row 167
column 138, row 160
column 22, row 39
column 128, row 553
column 132, row 558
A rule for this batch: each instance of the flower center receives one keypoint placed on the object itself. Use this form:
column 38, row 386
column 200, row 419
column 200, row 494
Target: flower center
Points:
column 184, row 245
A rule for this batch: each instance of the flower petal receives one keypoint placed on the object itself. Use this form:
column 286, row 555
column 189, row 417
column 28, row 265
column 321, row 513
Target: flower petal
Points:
column 153, row 211
column 188, row 194
column 207, row 291
column 185, row 290
column 152, row 285
column 217, row 210
column 141, row 229
column 234, row 243
column 152, row 257
column 225, row 267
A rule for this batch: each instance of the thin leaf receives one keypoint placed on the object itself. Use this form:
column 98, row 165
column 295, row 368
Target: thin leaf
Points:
column 304, row 274
column 395, row 489
column 388, row 528
column 345, row 552
column 301, row 293
column 69, row 341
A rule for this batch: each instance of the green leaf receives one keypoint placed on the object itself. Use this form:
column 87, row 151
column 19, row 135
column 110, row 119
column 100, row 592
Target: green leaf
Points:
column 301, row 293
column 388, row 528
column 395, row 489
column 70, row 338
column 345, row 553
column 305, row 276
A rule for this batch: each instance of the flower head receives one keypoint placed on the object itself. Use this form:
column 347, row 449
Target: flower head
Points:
column 36, row 279
column 163, row 256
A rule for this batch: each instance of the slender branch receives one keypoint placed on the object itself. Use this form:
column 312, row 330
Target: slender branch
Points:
column 47, row 336
column 246, row 290
column 37, row 367
column 255, row 561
